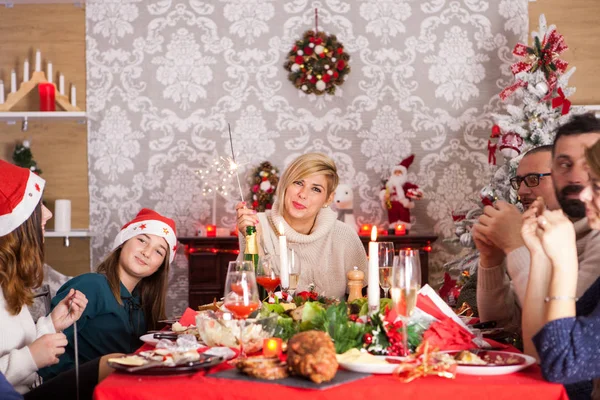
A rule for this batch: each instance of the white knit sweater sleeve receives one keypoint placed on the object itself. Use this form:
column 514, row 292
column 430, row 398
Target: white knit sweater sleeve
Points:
column 17, row 365
column 354, row 251
column 44, row 326
column 517, row 266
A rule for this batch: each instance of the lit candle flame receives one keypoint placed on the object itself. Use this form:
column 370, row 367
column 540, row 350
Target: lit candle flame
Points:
column 374, row 234
column 281, row 232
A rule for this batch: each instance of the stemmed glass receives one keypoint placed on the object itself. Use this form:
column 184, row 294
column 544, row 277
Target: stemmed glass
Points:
column 240, row 266
column 386, row 259
column 294, row 273
column 267, row 275
column 241, row 297
column 406, row 281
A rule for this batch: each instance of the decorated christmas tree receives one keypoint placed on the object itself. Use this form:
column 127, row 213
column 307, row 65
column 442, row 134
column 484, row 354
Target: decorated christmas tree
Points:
column 23, row 157
column 537, row 106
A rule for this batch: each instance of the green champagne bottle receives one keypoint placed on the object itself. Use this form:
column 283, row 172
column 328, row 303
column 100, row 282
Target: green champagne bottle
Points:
column 251, row 251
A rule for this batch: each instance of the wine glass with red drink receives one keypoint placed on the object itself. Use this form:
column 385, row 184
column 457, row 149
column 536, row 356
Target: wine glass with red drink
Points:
column 267, row 275
column 241, row 298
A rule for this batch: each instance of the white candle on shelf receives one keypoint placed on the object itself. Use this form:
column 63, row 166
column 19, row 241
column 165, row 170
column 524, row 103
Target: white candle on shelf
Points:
column 13, row 81
column 61, row 84
column 283, row 259
column 62, row 215
column 373, row 289
column 38, row 61
column 73, row 96
column 1, row 92
column 26, row 71
column 49, row 66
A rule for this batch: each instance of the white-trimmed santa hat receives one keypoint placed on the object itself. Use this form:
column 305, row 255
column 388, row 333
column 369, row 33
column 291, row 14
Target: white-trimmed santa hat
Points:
column 20, row 193
column 404, row 164
column 149, row 222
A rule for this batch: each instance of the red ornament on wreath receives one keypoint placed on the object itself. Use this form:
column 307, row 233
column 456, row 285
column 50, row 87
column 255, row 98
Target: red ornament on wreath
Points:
column 317, row 63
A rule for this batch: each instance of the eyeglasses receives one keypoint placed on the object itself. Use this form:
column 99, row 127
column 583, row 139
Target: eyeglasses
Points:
column 531, row 180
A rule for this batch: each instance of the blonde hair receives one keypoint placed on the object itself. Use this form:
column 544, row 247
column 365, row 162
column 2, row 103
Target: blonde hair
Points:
column 304, row 166
column 592, row 156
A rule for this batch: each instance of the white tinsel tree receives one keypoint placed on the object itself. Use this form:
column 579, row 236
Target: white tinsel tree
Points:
column 538, row 107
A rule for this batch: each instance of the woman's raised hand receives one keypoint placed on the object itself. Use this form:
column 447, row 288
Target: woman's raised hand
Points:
column 68, row 310
column 530, row 231
column 245, row 217
column 558, row 237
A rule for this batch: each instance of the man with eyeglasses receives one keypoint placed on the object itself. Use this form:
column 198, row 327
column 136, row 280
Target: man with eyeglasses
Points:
column 498, row 239
column 498, row 298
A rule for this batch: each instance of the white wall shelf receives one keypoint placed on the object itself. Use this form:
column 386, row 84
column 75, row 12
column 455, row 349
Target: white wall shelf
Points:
column 72, row 233
column 12, row 117
column 75, row 233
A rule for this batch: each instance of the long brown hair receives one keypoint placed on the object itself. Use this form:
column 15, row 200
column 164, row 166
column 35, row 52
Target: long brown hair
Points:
column 152, row 289
column 22, row 262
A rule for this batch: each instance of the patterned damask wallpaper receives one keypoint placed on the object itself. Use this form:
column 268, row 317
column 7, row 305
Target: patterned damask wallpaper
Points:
column 166, row 77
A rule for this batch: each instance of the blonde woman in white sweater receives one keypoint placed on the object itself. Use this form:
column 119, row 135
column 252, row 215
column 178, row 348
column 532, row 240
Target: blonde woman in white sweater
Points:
column 327, row 248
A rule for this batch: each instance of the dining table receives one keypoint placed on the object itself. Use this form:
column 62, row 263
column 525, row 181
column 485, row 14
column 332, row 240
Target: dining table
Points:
column 526, row 384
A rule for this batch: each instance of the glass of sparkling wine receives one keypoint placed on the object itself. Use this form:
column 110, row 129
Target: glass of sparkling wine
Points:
column 405, row 282
column 294, row 271
column 386, row 258
column 241, row 298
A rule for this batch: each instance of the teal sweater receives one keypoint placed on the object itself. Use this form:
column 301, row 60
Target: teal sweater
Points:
column 105, row 326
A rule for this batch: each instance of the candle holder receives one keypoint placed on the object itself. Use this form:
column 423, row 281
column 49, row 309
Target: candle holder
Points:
column 211, row 231
column 365, row 230
column 400, row 230
column 272, row 347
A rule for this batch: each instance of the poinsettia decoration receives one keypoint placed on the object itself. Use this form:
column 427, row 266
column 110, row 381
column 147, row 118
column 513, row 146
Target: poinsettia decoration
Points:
column 317, row 63
column 263, row 183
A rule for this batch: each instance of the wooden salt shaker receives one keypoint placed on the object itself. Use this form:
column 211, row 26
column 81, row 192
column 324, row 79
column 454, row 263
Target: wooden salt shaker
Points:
column 355, row 284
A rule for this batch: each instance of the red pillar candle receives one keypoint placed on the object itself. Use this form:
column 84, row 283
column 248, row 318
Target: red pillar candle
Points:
column 211, row 231
column 272, row 347
column 400, row 230
column 46, row 91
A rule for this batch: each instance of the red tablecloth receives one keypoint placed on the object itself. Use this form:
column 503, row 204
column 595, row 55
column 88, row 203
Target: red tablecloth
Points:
column 527, row 384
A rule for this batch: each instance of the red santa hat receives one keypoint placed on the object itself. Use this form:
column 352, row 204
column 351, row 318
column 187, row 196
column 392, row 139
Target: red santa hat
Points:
column 20, row 193
column 149, row 222
column 404, row 164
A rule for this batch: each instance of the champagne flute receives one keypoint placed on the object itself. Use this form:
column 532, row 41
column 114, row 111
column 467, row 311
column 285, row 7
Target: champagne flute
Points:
column 406, row 281
column 385, row 252
column 241, row 298
column 267, row 275
column 294, row 273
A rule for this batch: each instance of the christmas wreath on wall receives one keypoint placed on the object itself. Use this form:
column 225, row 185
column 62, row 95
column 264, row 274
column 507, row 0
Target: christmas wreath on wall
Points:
column 317, row 63
column 263, row 184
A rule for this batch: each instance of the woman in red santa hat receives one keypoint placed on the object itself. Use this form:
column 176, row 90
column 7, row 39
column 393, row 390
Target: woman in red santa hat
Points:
column 126, row 296
column 26, row 346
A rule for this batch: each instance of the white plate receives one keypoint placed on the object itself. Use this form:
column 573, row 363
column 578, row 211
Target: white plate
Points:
column 387, row 368
column 149, row 339
column 490, row 370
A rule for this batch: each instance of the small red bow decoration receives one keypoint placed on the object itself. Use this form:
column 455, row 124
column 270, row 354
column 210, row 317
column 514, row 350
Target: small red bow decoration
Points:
column 561, row 100
column 543, row 56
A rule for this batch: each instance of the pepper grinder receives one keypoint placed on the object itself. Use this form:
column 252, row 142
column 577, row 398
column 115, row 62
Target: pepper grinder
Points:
column 355, row 284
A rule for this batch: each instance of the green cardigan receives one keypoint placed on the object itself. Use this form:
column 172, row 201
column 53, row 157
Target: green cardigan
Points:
column 105, row 326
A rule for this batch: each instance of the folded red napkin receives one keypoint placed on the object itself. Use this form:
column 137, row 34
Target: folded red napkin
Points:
column 448, row 335
column 188, row 318
column 424, row 303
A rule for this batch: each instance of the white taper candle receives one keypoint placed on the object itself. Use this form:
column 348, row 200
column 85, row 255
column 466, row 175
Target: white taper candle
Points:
column 38, row 61
column 26, row 71
column 373, row 289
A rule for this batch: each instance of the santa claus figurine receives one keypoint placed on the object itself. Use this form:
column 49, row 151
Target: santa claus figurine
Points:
column 398, row 194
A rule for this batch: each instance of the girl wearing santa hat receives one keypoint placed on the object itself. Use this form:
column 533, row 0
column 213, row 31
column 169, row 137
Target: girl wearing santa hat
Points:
column 328, row 248
column 126, row 295
column 26, row 346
